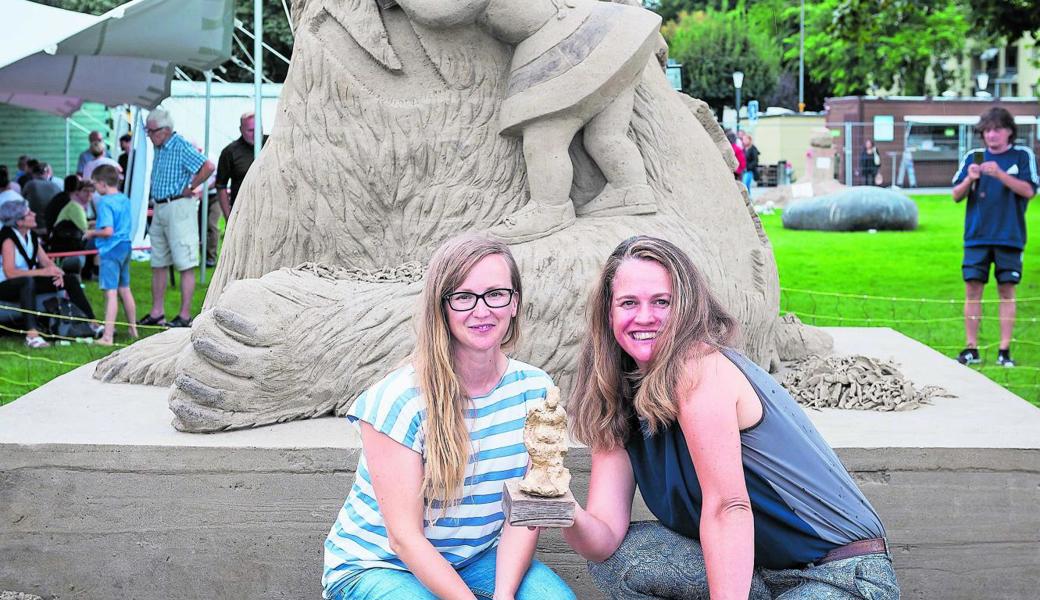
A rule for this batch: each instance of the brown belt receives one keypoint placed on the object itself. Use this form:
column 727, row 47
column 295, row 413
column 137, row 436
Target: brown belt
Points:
column 860, row 548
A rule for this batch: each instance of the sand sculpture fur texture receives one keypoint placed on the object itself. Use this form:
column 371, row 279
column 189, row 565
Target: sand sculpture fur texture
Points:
column 854, row 382
column 387, row 143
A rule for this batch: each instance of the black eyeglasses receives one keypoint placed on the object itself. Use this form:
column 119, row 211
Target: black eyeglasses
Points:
column 496, row 298
column 151, row 130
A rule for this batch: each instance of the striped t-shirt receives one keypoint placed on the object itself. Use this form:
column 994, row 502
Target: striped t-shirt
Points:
column 394, row 406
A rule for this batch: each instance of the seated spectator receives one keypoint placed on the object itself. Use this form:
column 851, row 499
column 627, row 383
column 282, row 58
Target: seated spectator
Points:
column 58, row 202
column 26, row 174
column 40, row 190
column 70, row 227
column 9, row 190
column 23, row 166
column 97, row 150
column 26, row 271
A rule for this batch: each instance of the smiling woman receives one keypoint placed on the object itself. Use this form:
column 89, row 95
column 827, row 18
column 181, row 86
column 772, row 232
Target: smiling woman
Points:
column 440, row 435
column 750, row 500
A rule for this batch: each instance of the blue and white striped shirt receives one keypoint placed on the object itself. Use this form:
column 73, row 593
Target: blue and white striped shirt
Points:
column 176, row 162
column 394, row 406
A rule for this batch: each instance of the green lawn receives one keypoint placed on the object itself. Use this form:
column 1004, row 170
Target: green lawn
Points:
column 915, row 274
column 22, row 369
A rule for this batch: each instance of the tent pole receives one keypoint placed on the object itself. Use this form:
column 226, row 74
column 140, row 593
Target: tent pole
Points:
column 68, row 165
column 258, row 71
column 204, row 204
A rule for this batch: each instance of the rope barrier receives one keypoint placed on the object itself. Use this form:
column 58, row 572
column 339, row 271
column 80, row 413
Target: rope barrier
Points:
column 886, row 320
column 84, row 340
column 40, row 358
column 85, row 252
column 85, row 319
column 937, row 332
column 18, row 383
column 898, row 299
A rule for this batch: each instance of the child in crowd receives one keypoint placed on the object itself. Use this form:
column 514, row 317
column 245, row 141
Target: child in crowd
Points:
column 112, row 238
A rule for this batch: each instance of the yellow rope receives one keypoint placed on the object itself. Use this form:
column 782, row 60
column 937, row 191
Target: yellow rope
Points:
column 898, row 299
column 89, row 320
column 41, row 359
column 88, row 341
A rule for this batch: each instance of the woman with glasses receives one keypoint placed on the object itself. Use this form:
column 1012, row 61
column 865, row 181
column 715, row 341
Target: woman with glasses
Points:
column 750, row 500
column 440, row 436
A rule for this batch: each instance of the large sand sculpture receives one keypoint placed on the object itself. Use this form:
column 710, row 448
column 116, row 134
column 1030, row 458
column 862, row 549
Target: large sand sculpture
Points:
column 396, row 132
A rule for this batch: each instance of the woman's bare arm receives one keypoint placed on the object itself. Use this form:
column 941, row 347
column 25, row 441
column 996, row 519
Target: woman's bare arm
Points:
column 397, row 474
column 599, row 529
column 708, row 417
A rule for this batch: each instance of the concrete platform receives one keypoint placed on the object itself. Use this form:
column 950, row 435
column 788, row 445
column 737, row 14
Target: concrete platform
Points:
column 101, row 498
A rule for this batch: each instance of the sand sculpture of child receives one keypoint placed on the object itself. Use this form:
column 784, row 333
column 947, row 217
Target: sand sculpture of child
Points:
column 575, row 65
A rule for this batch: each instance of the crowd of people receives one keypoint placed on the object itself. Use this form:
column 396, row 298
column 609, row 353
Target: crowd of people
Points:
column 86, row 220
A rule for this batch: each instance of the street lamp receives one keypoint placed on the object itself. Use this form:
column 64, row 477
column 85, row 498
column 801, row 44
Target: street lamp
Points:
column 982, row 79
column 738, row 82
column 801, row 60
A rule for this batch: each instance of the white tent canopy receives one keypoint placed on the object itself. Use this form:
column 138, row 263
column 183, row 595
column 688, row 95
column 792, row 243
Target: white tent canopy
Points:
column 54, row 60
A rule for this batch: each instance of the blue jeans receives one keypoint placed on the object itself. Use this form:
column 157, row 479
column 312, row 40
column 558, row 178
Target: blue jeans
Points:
column 655, row 563
column 539, row 583
column 748, row 178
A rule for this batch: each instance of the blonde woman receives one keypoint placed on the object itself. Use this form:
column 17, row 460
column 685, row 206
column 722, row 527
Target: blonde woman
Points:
column 440, row 437
column 750, row 501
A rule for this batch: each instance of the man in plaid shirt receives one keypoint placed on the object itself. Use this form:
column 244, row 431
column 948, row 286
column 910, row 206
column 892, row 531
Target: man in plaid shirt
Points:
column 177, row 171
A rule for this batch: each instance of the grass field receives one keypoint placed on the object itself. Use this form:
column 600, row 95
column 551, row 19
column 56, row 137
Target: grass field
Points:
column 913, row 277
column 22, row 369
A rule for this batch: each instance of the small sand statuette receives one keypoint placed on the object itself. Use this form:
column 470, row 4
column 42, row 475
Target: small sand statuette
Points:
column 543, row 498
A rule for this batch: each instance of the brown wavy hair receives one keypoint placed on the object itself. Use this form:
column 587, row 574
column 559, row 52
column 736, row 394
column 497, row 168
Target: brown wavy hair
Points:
column 447, row 439
column 609, row 388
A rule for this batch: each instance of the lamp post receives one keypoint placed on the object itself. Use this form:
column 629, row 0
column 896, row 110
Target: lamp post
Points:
column 982, row 79
column 738, row 82
column 801, row 59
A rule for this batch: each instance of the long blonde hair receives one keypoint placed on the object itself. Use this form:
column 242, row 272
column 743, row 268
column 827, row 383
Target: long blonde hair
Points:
column 609, row 388
column 447, row 439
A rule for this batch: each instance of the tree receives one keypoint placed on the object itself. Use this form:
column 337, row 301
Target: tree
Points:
column 780, row 20
column 712, row 45
column 866, row 45
column 1010, row 19
column 276, row 35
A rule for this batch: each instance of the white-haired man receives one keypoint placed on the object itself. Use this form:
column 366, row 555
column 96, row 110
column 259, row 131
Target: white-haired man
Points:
column 178, row 169
column 86, row 156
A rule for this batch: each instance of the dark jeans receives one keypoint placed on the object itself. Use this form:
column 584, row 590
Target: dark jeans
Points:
column 24, row 290
column 655, row 563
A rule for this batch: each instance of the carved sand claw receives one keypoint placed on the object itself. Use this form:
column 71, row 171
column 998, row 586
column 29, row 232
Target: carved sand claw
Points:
column 235, row 324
